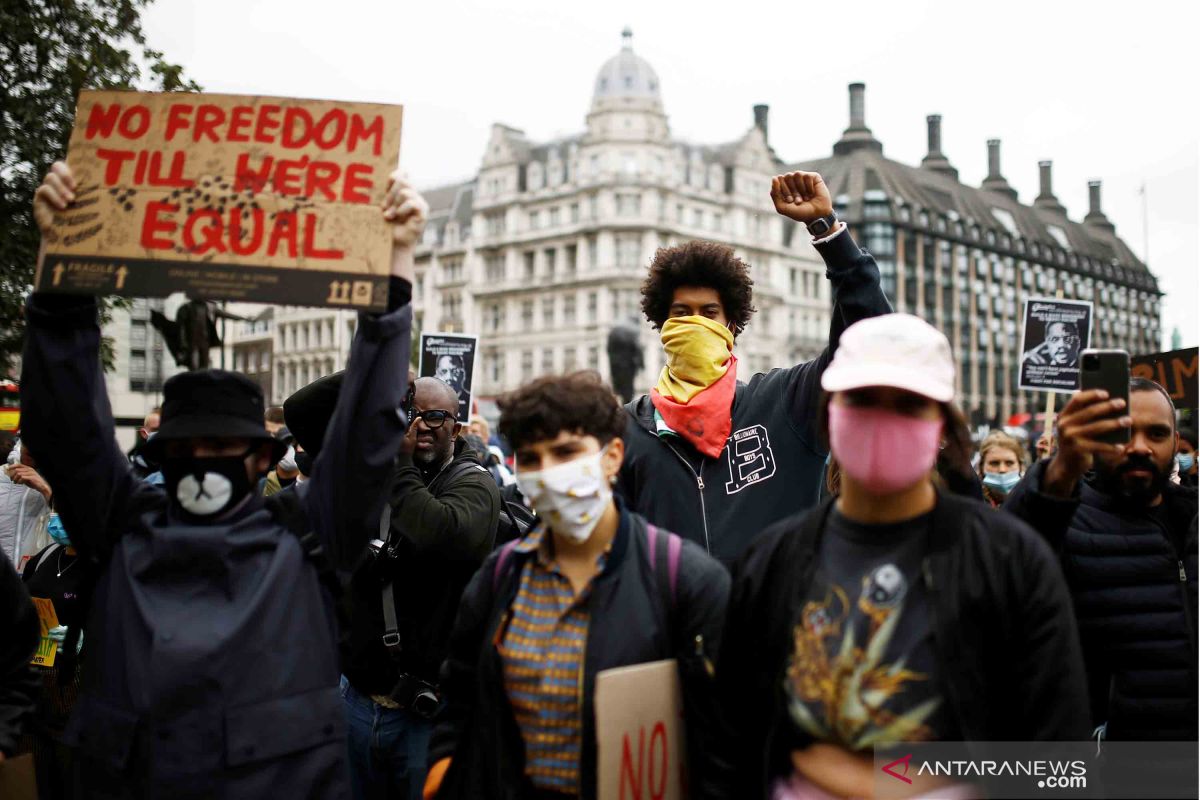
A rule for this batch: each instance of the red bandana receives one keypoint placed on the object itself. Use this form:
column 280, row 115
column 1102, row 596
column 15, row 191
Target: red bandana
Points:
column 706, row 421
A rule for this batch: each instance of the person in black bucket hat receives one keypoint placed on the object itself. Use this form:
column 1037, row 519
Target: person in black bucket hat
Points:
column 211, row 665
column 212, row 442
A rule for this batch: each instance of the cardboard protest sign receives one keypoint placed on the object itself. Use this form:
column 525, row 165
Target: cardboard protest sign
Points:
column 1053, row 333
column 1175, row 371
column 641, row 751
column 226, row 197
column 450, row 357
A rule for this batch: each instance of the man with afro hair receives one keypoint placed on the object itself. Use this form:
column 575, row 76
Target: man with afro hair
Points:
column 712, row 457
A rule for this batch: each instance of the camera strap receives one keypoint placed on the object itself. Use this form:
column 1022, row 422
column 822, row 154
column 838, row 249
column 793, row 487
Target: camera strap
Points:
column 391, row 626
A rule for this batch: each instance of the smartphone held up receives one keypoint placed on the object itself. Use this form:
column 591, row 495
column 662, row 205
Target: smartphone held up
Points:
column 1107, row 370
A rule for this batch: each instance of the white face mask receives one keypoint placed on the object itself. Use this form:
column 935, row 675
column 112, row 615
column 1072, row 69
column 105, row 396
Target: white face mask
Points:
column 288, row 462
column 570, row 497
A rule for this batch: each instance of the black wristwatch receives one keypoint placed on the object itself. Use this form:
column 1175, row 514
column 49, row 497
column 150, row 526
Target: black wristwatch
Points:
column 822, row 226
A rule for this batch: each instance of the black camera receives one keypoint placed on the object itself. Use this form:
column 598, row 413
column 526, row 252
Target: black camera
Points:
column 416, row 695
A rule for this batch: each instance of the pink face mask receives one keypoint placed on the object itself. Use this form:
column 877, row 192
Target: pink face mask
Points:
column 884, row 451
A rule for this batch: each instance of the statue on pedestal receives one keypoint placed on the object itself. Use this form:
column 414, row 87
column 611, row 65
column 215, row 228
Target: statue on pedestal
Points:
column 624, row 356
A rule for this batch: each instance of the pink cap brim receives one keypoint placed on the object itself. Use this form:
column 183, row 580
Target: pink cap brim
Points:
column 845, row 377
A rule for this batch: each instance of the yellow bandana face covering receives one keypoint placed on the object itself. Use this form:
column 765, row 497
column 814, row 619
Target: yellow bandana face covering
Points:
column 698, row 352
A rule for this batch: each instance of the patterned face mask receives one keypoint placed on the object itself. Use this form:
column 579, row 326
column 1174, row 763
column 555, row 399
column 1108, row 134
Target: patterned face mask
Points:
column 571, row 497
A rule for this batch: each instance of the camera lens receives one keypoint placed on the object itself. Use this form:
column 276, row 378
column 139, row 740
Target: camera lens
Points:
column 425, row 703
column 1091, row 362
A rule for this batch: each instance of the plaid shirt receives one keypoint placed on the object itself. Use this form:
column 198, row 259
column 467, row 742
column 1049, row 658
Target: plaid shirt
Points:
column 543, row 656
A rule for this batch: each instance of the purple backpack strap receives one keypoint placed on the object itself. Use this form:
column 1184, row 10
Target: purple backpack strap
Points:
column 501, row 561
column 674, row 549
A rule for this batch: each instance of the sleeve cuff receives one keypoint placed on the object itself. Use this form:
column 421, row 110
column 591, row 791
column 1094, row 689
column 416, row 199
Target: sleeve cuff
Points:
column 377, row 327
column 839, row 251
column 53, row 310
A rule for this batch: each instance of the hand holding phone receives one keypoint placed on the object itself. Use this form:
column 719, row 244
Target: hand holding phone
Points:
column 1094, row 422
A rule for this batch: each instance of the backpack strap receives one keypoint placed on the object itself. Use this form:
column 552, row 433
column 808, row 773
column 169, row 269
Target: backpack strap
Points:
column 36, row 565
column 501, row 561
column 665, row 549
column 453, row 472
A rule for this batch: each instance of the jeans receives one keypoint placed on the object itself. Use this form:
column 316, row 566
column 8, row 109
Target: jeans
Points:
column 387, row 748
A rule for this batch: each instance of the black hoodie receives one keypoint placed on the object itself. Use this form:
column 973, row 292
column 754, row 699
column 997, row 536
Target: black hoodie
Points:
column 772, row 463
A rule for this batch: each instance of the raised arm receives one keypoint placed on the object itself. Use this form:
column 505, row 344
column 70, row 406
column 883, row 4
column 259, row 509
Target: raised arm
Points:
column 853, row 276
column 345, row 497
column 66, row 420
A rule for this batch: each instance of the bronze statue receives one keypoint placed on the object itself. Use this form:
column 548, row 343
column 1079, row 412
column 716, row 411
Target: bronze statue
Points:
column 193, row 332
column 624, row 356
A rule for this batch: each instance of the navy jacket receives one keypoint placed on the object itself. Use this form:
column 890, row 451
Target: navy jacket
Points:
column 630, row 623
column 1134, row 586
column 772, row 463
column 211, row 667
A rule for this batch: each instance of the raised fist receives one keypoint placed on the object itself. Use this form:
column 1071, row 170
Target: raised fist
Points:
column 802, row 196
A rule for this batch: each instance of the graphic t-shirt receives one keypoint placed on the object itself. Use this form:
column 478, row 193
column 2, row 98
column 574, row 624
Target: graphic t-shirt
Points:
column 863, row 670
column 60, row 577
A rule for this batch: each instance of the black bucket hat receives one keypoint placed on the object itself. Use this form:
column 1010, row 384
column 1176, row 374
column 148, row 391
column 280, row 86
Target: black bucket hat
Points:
column 211, row 403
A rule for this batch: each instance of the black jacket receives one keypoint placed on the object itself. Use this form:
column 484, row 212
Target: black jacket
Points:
column 212, row 649
column 1004, row 637
column 442, row 532
column 1134, row 586
column 774, row 459
column 19, row 684
column 630, row 624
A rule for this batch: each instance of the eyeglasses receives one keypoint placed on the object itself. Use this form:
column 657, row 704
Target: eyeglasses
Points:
column 433, row 419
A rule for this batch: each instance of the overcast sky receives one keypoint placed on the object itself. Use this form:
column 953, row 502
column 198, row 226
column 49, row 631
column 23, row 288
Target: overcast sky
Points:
column 1101, row 88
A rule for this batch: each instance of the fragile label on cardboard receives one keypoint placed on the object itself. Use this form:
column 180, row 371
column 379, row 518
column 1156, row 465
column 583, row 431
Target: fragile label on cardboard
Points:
column 227, row 197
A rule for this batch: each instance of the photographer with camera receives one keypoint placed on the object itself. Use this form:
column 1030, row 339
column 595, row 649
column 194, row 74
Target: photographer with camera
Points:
column 444, row 510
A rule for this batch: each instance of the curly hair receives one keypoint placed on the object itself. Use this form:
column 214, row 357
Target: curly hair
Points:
column 698, row 263
column 545, row 407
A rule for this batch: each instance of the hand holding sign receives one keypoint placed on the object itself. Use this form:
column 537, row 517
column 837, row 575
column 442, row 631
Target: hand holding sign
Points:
column 407, row 210
column 216, row 195
column 55, row 194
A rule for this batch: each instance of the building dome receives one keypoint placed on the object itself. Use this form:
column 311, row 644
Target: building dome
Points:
column 626, row 76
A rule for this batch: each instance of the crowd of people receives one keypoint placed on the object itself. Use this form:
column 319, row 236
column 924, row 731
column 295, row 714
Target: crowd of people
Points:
column 358, row 595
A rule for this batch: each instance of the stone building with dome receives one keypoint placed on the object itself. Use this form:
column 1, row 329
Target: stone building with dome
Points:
column 544, row 250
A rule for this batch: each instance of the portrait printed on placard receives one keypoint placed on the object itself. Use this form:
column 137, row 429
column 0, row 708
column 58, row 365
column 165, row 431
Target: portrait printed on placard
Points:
column 450, row 357
column 1055, row 331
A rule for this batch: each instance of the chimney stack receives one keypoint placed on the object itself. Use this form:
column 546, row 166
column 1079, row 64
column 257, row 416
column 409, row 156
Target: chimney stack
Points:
column 858, row 135
column 760, row 117
column 1046, row 198
column 933, row 124
column 994, row 182
column 858, row 106
column 934, row 159
column 1095, row 217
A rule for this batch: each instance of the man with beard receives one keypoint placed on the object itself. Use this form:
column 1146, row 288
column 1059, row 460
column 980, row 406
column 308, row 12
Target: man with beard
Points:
column 444, row 510
column 1127, row 539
